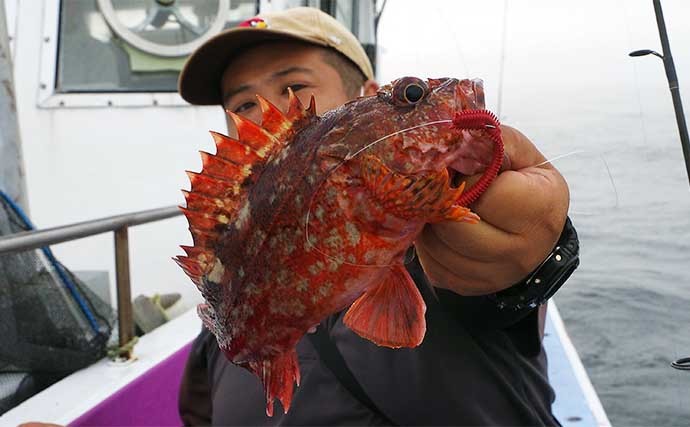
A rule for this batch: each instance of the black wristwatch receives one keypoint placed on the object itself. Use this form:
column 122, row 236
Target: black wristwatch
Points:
column 543, row 282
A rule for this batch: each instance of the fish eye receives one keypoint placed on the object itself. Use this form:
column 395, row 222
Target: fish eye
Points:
column 413, row 93
column 408, row 91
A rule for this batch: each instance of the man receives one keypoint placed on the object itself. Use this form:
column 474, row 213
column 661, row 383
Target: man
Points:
column 480, row 363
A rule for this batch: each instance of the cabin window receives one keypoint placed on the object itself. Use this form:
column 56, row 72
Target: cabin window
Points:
column 134, row 45
column 104, row 53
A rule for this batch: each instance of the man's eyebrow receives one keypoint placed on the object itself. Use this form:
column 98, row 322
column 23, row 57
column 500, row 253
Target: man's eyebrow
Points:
column 234, row 91
column 291, row 70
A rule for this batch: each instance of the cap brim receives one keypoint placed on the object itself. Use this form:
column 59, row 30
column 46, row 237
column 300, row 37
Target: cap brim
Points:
column 199, row 81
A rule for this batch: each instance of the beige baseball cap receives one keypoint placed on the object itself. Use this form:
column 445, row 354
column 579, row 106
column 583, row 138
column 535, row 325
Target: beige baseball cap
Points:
column 199, row 81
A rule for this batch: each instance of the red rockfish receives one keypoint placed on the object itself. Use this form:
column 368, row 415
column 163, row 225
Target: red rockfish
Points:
column 303, row 216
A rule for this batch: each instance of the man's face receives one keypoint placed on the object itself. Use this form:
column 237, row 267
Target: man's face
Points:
column 270, row 69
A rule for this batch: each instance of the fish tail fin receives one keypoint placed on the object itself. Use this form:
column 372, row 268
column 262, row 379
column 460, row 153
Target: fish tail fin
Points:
column 279, row 376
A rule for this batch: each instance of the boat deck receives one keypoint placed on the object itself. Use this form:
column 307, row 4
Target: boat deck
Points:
column 577, row 403
column 109, row 393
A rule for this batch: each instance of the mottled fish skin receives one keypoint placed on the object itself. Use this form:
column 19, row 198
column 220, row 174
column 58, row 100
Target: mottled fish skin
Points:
column 309, row 230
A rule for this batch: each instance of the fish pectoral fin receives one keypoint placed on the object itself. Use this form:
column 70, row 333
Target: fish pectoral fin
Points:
column 278, row 376
column 390, row 314
column 427, row 196
column 455, row 213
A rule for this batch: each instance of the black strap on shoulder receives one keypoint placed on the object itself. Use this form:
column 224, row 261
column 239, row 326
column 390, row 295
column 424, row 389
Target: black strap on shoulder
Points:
column 330, row 355
column 334, row 361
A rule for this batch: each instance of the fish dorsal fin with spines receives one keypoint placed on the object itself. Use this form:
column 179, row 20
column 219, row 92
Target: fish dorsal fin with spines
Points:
column 220, row 190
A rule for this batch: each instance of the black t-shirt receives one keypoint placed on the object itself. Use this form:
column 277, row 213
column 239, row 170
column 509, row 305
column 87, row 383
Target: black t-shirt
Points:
column 463, row 373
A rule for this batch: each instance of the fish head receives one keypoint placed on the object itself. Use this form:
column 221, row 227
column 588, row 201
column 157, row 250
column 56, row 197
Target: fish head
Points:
column 411, row 127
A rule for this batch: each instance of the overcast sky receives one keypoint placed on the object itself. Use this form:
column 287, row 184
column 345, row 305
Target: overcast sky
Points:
column 553, row 49
column 568, row 82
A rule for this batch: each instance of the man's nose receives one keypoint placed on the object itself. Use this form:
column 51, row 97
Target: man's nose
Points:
column 282, row 103
column 254, row 115
column 279, row 100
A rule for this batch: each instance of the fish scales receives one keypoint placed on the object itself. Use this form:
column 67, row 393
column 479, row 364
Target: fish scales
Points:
column 270, row 282
column 321, row 217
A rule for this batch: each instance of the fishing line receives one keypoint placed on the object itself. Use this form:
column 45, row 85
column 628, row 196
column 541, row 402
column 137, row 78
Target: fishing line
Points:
column 679, row 362
column 366, row 147
column 561, row 156
column 458, row 51
column 608, row 173
column 350, row 156
column 501, row 69
column 635, row 73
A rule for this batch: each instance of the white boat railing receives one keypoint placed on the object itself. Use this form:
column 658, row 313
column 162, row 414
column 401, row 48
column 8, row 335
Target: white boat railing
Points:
column 119, row 225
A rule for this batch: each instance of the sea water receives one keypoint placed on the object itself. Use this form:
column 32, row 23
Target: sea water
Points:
column 565, row 80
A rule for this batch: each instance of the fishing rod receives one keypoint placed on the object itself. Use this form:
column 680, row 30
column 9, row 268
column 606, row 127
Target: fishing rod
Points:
column 670, row 68
column 682, row 363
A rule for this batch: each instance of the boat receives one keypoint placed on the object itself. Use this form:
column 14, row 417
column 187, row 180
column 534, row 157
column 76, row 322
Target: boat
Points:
column 148, row 385
column 93, row 147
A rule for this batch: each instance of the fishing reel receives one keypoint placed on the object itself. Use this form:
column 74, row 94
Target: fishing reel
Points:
column 682, row 364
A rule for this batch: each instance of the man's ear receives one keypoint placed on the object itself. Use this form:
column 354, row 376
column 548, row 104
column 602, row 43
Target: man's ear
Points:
column 370, row 87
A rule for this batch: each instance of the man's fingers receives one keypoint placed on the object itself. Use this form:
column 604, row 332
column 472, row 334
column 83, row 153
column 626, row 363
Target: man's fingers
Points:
column 474, row 279
column 483, row 248
column 520, row 201
column 481, row 241
column 506, row 165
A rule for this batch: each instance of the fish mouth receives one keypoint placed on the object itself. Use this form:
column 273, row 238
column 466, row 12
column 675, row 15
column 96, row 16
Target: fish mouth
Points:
column 455, row 178
column 455, row 169
column 474, row 149
column 458, row 169
column 472, row 157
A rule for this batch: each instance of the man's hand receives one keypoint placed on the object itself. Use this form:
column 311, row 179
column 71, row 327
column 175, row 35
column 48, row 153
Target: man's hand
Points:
column 522, row 215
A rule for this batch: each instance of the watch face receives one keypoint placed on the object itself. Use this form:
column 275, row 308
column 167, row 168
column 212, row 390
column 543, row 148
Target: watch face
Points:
column 165, row 27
